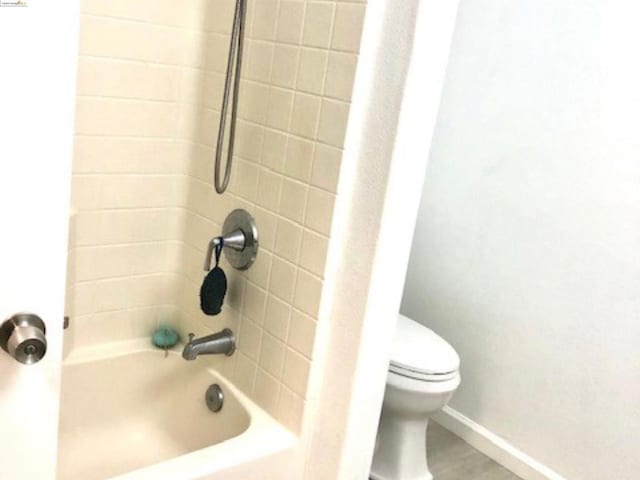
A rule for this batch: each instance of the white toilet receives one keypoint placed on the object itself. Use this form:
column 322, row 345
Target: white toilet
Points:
column 423, row 374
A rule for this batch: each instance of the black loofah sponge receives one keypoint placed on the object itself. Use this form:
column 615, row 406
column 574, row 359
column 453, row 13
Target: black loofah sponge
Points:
column 213, row 291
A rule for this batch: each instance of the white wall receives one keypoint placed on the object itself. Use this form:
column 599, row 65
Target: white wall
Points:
column 526, row 255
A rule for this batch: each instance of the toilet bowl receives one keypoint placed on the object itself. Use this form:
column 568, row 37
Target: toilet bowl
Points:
column 423, row 375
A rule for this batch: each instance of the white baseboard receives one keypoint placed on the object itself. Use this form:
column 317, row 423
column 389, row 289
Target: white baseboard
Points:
column 493, row 446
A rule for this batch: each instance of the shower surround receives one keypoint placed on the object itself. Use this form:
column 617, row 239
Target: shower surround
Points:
column 150, row 81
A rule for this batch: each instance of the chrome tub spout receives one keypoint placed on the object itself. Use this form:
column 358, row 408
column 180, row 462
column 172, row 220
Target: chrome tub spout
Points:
column 221, row 343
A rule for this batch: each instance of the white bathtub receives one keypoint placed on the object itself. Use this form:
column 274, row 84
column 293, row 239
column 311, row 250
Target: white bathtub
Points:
column 127, row 412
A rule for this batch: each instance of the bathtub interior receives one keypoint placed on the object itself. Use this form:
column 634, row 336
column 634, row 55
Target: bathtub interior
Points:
column 134, row 409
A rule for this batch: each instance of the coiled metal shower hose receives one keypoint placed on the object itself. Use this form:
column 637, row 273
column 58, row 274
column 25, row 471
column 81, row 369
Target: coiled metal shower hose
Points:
column 235, row 56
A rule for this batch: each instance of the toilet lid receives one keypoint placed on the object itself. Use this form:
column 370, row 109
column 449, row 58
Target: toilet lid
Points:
column 419, row 349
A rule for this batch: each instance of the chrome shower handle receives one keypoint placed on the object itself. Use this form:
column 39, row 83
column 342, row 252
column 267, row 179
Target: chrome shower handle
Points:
column 239, row 241
column 235, row 240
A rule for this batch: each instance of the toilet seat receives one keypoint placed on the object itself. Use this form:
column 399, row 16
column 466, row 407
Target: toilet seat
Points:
column 422, row 387
column 420, row 354
column 421, row 376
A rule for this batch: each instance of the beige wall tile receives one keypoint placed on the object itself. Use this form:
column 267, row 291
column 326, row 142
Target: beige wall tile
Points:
column 129, row 155
column 293, row 200
column 191, row 262
column 106, row 116
column 318, row 22
column 326, row 167
column 290, row 409
column 290, row 21
column 341, row 70
column 245, row 181
column 116, row 78
column 205, row 85
column 306, row 110
column 302, row 332
column 265, row 16
column 274, row 151
column 268, row 222
column 266, row 391
column 250, row 338
column 312, row 70
column 109, row 37
column 108, row 261
column 313, row 252
column 285, row 66
column 255, row 302
column 272, row 355
column 124, row 293
column 203, row 127
column 122, row 325
column 333, row 122
column 218, row 15
column 161, row 12
column 296, row 372
column 279, row 109
column 269, row 190
column 299, row 159
column 261, row 270
column 347, row 29
column 95, row 192
column 236, row 288
column 288, row 238
column 127, row 226
column 195, row 46
column 249, row 141
column 244, row 375
column 319, row 210
column 283, row 277
column 253, row 102
column 259, row 60
column 308, row 291
column 277, row 318
column 200, row 195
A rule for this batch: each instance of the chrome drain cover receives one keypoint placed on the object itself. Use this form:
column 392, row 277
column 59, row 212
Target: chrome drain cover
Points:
column 214, row 398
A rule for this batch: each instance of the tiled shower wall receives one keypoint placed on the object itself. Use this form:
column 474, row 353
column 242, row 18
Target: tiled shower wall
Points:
column 298, row 74
column 150, row 86
column 129, row 182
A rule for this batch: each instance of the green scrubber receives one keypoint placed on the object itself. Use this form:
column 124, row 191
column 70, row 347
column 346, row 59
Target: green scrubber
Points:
column 165, row 337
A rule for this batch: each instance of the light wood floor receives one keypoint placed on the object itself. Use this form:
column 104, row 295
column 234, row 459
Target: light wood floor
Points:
column 451, row 458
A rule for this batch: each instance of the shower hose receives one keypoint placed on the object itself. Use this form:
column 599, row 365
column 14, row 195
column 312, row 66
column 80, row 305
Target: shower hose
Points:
column 235, row 57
